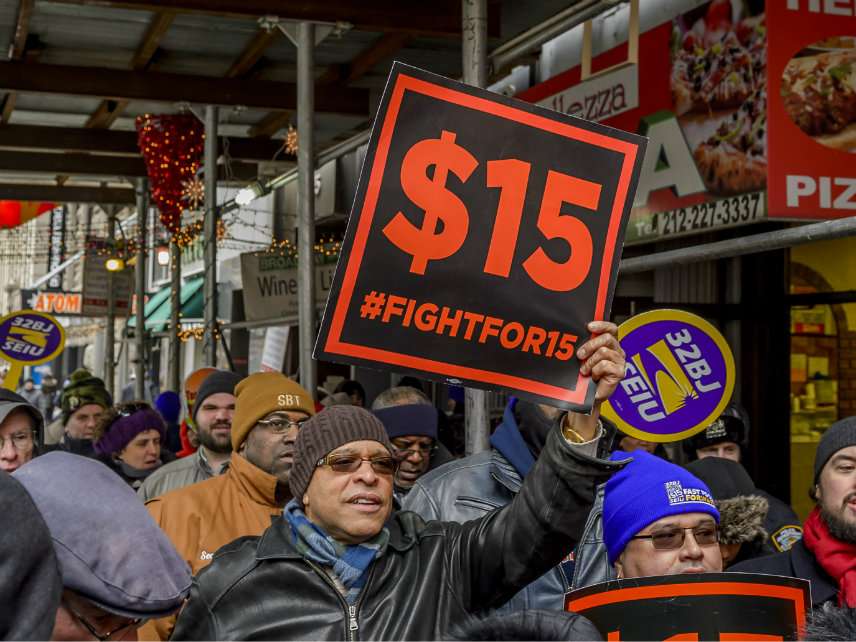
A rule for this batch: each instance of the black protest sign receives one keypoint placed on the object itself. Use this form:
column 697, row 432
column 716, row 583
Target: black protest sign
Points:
column 709, row 606
column 485, row 235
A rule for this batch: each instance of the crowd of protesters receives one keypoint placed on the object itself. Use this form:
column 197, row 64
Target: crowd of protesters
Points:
column 266, row 514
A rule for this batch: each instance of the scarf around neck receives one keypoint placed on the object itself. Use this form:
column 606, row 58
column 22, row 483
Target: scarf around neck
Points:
column 837, row 558
column 349, row 563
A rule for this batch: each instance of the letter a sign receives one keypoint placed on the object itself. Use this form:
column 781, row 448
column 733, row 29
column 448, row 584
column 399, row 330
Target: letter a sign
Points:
column 485, row 235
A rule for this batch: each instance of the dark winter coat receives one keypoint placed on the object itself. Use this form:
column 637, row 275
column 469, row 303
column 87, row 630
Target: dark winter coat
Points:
column 432, row 579
column 797, row 562
column 471, row 487
column 530, row 625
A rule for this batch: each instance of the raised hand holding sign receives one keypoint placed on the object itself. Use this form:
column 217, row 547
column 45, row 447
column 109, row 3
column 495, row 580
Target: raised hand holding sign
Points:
column 485, row 235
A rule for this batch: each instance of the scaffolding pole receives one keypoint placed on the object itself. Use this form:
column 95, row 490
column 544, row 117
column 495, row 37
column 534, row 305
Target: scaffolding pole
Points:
column 474, row 29
column 110, row 330
column 209, row 346
column 174, row 320
column 306, row 202
column 140, row 273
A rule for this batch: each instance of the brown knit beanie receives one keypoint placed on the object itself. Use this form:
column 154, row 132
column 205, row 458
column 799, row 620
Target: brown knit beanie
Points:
column 261, row 394
column 325, row 432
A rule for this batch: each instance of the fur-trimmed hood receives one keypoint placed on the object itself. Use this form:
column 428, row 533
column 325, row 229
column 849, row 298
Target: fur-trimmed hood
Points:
column 832, row 623
column 741, row 519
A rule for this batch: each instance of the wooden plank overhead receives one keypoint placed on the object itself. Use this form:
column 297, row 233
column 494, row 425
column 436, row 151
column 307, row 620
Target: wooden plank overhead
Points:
column 339, row 75
column 438, row 18
column 16, row 52
column 123, row 143
column 167, row 87
column 109, row 110
column 72, row 164
column 67, row 194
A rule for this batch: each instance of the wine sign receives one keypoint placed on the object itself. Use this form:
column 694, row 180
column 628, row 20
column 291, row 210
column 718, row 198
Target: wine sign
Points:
column 485, row 235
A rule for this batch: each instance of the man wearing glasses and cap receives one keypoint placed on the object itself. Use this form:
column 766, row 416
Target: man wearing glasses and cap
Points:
column 21, row 426
column 117, row 568
column 202, row 517
column 340, row 564
column 659, row 519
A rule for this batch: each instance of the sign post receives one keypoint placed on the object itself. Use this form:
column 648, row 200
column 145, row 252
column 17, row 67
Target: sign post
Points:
column 485, row 235
column 28, row 338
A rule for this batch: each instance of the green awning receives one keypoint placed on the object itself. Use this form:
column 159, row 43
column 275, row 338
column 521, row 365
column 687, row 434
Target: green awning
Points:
column 159, row 307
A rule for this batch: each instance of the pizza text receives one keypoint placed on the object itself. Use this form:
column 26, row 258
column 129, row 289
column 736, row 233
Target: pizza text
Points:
column 826, row 192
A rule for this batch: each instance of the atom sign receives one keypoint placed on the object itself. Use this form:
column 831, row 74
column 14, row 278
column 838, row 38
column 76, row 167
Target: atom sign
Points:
column 485, row 234
column 680, row 376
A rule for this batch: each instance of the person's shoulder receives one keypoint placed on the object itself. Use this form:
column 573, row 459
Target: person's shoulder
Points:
column 775, row 564
column 474, row 465
column 193, row 494
column 231, row 562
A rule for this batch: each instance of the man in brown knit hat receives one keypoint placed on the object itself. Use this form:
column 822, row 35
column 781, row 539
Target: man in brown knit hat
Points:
column 341, row 564
column 202, row 517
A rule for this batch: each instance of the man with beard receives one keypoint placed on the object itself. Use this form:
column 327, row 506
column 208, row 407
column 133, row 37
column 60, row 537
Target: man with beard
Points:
column 826, row 555
column 202, row 517
column 212, row 416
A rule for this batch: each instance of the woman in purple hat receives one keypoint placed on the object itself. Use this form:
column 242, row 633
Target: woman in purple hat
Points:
column 128, row 439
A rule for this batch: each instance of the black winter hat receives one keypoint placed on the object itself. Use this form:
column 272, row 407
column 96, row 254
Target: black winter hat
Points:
column 217, row 381
column 325, row 432
column 839, row 435
column 741, row 510
column 726, row 428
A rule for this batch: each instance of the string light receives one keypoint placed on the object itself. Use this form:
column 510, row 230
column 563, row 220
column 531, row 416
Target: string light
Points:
column 171, row 145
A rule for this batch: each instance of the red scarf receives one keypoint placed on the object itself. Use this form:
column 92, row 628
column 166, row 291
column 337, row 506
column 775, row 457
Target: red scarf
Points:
column 837, row 558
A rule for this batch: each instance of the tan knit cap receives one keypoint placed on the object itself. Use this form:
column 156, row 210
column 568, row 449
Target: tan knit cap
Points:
column 261, row 394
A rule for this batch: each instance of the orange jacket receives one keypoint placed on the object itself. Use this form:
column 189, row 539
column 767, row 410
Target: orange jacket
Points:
column 202, row 517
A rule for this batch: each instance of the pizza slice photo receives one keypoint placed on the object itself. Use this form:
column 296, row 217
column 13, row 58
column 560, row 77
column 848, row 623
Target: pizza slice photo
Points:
column 819, row 95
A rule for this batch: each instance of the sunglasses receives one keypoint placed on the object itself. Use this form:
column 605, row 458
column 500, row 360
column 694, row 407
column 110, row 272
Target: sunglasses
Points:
column 281, row 425
column 670, row 539
column 352, row 463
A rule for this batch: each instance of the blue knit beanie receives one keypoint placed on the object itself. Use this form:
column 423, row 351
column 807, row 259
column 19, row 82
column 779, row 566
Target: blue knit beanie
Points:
column 645, row 490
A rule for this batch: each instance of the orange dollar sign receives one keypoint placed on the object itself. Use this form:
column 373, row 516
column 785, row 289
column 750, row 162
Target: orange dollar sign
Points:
column 429, row 193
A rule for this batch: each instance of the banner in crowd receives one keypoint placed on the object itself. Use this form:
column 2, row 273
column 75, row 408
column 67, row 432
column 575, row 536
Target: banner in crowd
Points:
column 710, row 606
column 680, row 376
column 269, row 281
column 811, row 70
column 28, row 338
column 485, row 234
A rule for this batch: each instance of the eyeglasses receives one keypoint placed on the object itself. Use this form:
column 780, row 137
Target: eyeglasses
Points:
column 281, row 425
column 20, row 441
column 671, row 538
column 423, row 450
column 352, row 463
column 102, row 637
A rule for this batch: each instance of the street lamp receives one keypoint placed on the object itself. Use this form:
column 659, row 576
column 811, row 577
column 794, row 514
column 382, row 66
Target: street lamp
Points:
column 114, row 264
column 163, row 255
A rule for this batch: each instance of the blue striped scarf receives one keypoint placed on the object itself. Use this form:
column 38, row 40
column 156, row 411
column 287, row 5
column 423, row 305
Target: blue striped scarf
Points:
column 349, row 563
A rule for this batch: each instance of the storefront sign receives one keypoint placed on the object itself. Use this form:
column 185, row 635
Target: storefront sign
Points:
column 56, row 249
column 52, row 302
column 95, row 281
column 270, row 285
column 680, row 376
column 710, row 606
column 486, row 233
column 702, row 104
column 811, row 70
column 28, row 338
column 601, row 97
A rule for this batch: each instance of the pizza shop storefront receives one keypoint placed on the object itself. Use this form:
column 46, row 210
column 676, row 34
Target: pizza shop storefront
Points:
column 731, row 155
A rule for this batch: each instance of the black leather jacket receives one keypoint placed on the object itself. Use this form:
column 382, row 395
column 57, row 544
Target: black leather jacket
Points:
column 433, row 577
